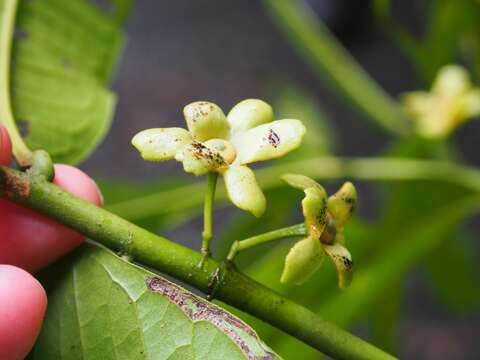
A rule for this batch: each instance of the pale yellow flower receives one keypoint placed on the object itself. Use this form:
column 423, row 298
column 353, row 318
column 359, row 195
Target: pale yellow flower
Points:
column 451, row 101
column 225, row 145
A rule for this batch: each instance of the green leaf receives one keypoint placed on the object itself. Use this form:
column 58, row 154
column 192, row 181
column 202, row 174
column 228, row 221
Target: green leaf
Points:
column 101, row 307
column 62, row 58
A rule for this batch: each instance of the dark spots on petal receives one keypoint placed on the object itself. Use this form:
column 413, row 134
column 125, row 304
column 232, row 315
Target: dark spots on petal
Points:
column 347, row 262
column 201, row 152
column 348, row 199
column 322, row 215
column 272, row 138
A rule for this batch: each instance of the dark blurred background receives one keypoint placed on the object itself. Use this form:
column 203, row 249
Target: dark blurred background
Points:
column 225, row 51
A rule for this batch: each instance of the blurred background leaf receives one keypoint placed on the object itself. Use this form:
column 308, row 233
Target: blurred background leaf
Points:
column 449, row 34
column 64, row 55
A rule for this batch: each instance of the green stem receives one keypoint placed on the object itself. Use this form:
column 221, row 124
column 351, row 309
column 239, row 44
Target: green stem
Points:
column 320, row 168
column 332, row 62
column 234, row 288
column 207, row 233
column 21, row 151
column 240, row 245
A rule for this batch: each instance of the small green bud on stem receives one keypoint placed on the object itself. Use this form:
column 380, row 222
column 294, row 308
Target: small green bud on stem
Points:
column 42, row 165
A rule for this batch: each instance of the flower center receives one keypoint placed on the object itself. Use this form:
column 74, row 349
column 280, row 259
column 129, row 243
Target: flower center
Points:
column 224, row 148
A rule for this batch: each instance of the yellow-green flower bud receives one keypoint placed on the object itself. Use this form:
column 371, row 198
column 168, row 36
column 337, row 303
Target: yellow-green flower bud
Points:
column 42, row 165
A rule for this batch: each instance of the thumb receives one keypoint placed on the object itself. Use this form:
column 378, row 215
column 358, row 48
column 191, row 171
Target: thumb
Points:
column 22, row 308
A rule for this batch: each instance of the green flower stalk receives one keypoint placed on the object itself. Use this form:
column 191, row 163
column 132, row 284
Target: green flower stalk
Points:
column 451, row 101
column 325, row 219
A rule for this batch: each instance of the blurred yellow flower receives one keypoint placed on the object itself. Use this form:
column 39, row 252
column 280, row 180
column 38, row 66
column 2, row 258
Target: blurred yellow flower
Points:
column 451, row 101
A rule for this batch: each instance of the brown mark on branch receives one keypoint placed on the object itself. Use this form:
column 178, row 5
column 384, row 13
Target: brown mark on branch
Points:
column 13, row 186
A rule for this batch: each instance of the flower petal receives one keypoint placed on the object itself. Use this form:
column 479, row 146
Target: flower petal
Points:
column 341, row 205
column 243, row 190
column 199, row 159
column 472, row 103
column 451, row 81
column 343, row 262
column 303, row 259
column 205, row 120
column 249, row 113
column 300, row 182
column 268, row 141
column 417, row 103
column 161, row 144
column 314, row 204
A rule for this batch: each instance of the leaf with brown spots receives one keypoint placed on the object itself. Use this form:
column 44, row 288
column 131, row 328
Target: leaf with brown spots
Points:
column 101, row 307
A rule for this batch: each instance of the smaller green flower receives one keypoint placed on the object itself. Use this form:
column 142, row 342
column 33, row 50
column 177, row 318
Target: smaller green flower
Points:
column 325, row 219
column 451, row 101
column 225, row 145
